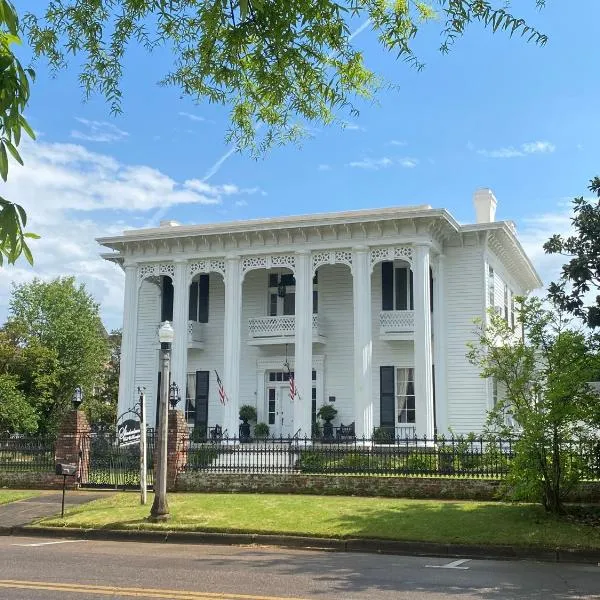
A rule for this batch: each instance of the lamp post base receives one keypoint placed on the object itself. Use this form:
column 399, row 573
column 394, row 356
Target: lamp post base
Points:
column 159, row 511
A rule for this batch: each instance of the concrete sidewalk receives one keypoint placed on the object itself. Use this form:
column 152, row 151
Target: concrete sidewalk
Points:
column 23, row 512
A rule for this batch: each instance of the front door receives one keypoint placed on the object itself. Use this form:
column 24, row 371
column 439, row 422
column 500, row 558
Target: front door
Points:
column 280, row 410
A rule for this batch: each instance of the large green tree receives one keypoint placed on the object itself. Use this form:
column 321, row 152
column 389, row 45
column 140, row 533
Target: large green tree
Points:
column 276, row 63
column 580, row 276
column 58, row 326
column 101, row 409
column 543, row 378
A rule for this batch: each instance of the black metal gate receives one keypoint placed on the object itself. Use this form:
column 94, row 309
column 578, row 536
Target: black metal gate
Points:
column 107, row 464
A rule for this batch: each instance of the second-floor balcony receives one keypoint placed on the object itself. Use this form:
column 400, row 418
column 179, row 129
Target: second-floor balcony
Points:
column 396, row 324
column 280, row 330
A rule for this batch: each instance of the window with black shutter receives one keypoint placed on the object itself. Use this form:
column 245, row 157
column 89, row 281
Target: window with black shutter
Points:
column 203, row 299
column 387, row 399
column 166, row 307
column 387, row 286
column 202, row 381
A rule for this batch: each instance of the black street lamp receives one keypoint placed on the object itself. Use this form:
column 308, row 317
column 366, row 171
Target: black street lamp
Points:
column 174, row 397
column 77, row 398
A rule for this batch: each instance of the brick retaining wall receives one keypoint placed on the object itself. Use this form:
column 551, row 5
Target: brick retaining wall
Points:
column 343, row 485
column 30, row 481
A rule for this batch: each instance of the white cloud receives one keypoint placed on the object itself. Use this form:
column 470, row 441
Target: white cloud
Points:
column 375, row 164
column 192, row 117
column 397, row 143
column 350, row 126
column 60, row 185
column 537, row 147
column 408, row 163
column 324, row 167
column 98, row 131
column 241, row 203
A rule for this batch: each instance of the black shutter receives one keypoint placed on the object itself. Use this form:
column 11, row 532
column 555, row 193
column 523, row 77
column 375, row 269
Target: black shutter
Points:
column 411, row 290
column 430, row 289
column 202, row 378
column 387, row 399
column 401, row 289
column 193, row 312
column 387, row 286
column 166, row 308
column 203, row 299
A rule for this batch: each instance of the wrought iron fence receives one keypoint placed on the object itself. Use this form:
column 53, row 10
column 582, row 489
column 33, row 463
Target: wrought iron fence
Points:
column 27, row 454
column 458, row 457
column 112, row 465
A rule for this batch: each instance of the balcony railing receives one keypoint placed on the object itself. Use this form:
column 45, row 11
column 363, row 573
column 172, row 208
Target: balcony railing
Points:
column 396, row 322
column 274, row 328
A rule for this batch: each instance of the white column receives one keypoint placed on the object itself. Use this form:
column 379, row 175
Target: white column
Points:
column 303, row 344
column 439, row 348
column 181, row 303
column 128, row 340
column 422, row 345
column 363, row 342
column 231, row 345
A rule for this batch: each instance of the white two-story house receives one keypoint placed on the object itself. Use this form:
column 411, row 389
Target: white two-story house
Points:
column 369, row 311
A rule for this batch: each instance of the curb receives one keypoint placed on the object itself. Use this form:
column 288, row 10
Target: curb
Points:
column 371, row 546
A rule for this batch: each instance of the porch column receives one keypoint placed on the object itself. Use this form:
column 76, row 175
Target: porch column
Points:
column 231, row 345
column 422, row 345
column 129, row 340
column 303, row 345
column 181, row 303
column 439, row 347
column 363, row 342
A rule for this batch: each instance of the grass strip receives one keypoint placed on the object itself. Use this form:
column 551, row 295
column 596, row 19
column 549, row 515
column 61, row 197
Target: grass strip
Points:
column 342, row 517
column 7, row 496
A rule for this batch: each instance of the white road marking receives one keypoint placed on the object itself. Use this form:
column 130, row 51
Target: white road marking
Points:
column 453, row 565
column 35, row 545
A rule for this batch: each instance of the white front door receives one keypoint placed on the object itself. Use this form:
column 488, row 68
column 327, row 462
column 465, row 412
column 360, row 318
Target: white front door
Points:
column 280, row 410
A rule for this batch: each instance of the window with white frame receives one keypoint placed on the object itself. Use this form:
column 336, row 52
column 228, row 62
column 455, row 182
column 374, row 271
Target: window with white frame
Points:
column 491, row 287
column 396, row 286
column 506, row 304
column 282, row 294
column 405, row 395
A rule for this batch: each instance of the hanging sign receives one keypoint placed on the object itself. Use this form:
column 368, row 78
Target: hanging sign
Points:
column 129, row 432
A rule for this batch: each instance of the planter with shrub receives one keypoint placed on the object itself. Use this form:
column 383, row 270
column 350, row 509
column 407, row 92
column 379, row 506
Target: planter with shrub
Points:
column 247, row 413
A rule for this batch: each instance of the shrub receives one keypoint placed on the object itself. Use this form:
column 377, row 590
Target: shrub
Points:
column 202, row 457
column 311, row 462
column 327, row 412
column 382, row 436
column 419, row 463
column 247, row 413
column 355, row 461
column 198, row 435
column 261, row 431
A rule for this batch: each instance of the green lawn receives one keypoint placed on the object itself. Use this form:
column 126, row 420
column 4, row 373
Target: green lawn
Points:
column 12, row 495
column 327, row 516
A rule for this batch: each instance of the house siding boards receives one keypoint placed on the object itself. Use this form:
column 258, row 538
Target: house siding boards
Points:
column 211, row 357
column 467, row 391
column 146, row 367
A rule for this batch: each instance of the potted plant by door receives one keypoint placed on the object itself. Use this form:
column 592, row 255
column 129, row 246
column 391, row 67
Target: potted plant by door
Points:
column 327, row 413
column 247, row 413
column 261, row 431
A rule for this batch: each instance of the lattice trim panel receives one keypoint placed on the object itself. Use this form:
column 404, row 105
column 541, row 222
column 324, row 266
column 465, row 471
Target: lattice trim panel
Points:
column 155, row 270
column 392, row 253
column 208, row 265
column 250, row 263
column 331, row 257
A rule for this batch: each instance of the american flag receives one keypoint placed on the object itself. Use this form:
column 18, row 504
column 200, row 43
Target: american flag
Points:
column 293, row 390
column 222, row 394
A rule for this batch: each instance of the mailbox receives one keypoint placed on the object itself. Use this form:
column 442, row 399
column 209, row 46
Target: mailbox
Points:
column 66, row 470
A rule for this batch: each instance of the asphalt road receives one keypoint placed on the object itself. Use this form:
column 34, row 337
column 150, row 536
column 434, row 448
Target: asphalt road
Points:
column 32, row 569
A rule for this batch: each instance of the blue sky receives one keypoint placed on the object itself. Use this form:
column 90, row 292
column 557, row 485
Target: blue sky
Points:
column 495, row 112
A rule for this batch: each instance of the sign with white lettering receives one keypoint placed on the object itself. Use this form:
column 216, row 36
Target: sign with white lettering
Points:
column 129, row 432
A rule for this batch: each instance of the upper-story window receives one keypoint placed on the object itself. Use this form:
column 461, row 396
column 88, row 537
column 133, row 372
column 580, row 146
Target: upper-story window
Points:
column 282, row 294
column 506, row 304
column 199, row 299
column 396, row 287
column 513, row 316
column 491, row 287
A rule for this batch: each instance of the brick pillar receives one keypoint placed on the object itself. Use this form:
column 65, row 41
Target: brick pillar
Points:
column 72, row 445
column 177, row 446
